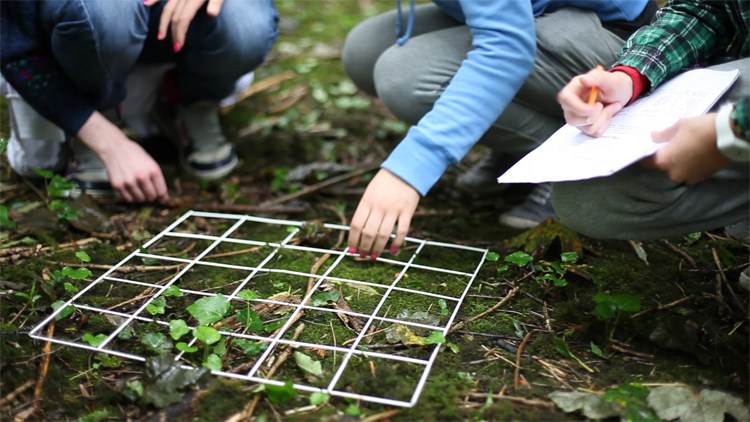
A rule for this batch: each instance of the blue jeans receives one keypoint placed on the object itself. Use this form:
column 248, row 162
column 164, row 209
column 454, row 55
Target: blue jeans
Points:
column 98, row 42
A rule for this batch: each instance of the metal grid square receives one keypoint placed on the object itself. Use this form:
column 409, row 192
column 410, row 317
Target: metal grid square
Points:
column 116, row 304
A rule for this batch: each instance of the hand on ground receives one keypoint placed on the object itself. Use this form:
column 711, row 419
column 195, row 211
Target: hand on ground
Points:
column 388, row 201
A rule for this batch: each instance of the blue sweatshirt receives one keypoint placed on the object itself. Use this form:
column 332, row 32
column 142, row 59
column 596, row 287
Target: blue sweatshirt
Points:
column 502, row 57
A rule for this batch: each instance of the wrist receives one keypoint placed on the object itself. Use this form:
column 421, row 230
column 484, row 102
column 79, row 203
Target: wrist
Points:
column 637, row 82
column 727, row 141
column 99, row 134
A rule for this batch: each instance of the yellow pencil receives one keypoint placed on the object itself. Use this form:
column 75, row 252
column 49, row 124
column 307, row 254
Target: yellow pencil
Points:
column 594, row 90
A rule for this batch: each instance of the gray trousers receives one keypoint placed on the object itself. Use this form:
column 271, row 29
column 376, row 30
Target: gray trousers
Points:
column 642, row 203
column 409, row 79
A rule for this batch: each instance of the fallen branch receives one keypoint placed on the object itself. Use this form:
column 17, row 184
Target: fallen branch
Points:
column 23, row 252
column 519, row 353
column 313, row 188
column 237, row 208
column 662, row 307
column 460, row 325
column 43, row 367
column 514, row 399
column 10, row 397
column 387, row 415
column 679, row 252
column 125, row 269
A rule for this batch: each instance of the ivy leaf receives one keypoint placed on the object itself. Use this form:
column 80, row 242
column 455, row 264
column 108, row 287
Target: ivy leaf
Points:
column 519, row 258
column 83, row 256
column 183, row 347
column 569, row 257
column 94, row 340
column 247, row 294
column 593, row 406
column 212, row 362
column 492, row 256
column 251, row 319
column 5, row 221
column 278, row 394
column 178, row 328
column 172, row 291
column 562, row 347
column 317, row 398
column 156, row 342
column 597, row 351
column 251, row 348
column 435, row 337
column 65, row 312
column 322, row 299
column 209, row 309
column 443, row 306
column 157, row 306
column 206, row 335
column 308, row 364
column 70, row 288
column 77, row 273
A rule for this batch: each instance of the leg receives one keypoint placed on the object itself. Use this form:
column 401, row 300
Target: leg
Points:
column 217, row 51
column 641, row 203
column 368, row 40
column 96, row 43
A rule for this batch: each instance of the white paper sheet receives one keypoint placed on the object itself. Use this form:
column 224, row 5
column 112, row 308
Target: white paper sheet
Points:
column 571, row 155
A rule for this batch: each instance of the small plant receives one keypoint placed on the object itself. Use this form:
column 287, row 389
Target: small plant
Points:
column 545, row 271
column 609, row 308
column 57, row 187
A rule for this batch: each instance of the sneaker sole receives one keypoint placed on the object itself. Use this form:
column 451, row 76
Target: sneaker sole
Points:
column 215, row 173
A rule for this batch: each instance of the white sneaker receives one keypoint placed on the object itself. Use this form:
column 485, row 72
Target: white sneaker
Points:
column 208, row 153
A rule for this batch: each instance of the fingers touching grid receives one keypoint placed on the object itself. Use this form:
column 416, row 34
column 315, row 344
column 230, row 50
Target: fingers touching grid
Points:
column 246, row 290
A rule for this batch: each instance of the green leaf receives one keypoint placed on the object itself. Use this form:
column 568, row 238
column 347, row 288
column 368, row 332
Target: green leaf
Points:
column 247, row 294
column 5, row 221
column 435, row 337
column 519, row 258
column 108, row 361
column 317, row 398
column 221, row 348
column 605, row 309
column 94, row 340
column 183, row 347
column 308, row 364
column 569, row 257
column 249, row 318
column 157, row 306
column 562, row 347
column 83, row 256
column 251, row 348
column 65, row 312
column 3, row 144
column 134, row 389
column 70, row 288
column 206, row 335
column 210, row 309
column 352, row 410
column 45, row 174
column 627, row 302
column 178, row 328
column 172, row 291
column 322, row 299
column 453, row 347
column 156, row 342
column 443, row 307
column 63, row 209
column 213, row 362
column 492, row 256
column 279, row 394
column 77, row 273
column 597, row 351
column 59, row 186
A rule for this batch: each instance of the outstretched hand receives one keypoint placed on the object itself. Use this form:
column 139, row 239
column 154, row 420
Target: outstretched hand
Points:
column 615, row 90
column 178, row 14
column 690, row 155
column 133, row 174
column 388, row 201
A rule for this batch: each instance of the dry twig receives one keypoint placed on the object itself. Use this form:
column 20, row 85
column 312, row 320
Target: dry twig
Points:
column 460, row 325
column 313, row 188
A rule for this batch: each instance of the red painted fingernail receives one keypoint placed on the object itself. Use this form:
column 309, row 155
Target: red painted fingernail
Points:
column 361, row 256
column 176, row 47
column 160, row 35
column 352, row 249
column 394, row 251
column 145, row 2
column 374, row 256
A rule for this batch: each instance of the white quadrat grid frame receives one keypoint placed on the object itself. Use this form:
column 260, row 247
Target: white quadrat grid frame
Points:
column 422, row 365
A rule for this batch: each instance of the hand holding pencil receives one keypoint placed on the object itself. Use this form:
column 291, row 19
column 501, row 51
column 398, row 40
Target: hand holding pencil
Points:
column 590, row 100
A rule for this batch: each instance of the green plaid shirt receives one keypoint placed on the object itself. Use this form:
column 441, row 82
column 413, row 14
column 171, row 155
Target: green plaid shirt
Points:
column 688, row 33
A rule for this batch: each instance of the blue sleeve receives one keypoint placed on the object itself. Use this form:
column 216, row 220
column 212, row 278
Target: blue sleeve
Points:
column 501, row 58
